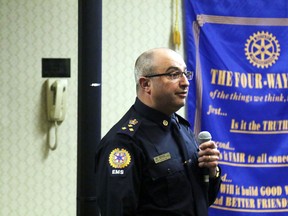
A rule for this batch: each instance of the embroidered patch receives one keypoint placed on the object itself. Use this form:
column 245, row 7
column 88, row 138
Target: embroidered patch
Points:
column 119, row 158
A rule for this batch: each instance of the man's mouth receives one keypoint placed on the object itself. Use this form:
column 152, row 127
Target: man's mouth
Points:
column 183, row 94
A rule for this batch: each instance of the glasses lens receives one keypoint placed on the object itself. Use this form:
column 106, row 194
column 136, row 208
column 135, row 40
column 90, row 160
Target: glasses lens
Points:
column 189, row 75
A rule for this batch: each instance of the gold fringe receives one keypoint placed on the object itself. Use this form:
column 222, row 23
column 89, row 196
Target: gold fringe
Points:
column 176, row 32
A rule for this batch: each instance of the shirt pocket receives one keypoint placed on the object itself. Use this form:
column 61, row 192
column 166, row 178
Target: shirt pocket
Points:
column 167, row 181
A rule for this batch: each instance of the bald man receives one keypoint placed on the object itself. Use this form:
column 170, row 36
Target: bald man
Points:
column 149, row 163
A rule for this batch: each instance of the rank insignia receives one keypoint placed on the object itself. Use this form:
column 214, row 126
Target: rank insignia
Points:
column 119, row 158
column 131, row 124
column 130, row 127
column 133, row 121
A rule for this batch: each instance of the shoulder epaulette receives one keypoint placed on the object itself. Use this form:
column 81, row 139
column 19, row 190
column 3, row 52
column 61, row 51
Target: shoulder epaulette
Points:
column 130, row 127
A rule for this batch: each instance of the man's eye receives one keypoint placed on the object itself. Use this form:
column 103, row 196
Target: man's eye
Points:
column 175, row 75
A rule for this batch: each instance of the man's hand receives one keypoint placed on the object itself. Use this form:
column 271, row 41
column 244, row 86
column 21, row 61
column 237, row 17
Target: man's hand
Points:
column 208, row 157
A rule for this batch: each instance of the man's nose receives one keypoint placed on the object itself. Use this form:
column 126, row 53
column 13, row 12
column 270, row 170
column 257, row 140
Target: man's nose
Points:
column 184, row 81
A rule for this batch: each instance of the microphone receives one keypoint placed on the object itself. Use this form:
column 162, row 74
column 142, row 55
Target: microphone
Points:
column 204, row 136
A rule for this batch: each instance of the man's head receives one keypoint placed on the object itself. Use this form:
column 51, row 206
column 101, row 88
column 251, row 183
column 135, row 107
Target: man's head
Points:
column 160, row 81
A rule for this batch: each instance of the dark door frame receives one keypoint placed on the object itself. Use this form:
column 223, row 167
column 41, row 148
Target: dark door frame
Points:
column 89, row 102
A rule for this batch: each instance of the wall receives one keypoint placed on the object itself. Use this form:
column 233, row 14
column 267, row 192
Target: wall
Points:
column 35, row 181
column 130, row 27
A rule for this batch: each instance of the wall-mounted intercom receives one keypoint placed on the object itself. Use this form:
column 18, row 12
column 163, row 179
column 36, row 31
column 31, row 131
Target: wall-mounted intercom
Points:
column 56, row 104
column 56, row 99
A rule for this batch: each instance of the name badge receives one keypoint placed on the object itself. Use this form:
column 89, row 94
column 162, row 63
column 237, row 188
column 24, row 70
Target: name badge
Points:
column 162, row 158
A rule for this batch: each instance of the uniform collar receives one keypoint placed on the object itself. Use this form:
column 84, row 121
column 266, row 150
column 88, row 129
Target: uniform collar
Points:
column 156, row 116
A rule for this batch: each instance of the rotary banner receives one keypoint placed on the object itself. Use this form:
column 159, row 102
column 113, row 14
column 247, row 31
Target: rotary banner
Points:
column 239, row 52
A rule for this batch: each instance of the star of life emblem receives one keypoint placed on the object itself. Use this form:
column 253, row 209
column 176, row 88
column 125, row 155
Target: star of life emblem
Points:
column 119, row 158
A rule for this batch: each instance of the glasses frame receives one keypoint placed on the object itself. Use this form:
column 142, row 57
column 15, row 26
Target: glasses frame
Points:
column 171, row 74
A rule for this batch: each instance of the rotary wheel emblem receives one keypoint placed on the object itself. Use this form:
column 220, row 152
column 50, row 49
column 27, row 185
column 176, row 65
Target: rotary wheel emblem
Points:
column 262, row 49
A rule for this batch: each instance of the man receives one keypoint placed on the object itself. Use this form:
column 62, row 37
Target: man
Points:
column 149, row 163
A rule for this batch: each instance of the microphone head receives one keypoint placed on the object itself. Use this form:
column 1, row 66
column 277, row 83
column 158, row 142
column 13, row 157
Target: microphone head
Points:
column 204, row 136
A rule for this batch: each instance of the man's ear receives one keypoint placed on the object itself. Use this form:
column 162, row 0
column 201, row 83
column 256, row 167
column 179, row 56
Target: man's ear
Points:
column 145, row 84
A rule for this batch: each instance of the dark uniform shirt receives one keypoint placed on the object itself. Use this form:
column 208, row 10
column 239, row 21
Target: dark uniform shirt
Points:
column 147, row 166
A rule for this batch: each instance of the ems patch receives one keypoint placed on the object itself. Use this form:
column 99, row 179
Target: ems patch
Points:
column 119, row 158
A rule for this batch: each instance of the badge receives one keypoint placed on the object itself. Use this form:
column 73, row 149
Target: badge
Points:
column 162, row 157
column 119, row 158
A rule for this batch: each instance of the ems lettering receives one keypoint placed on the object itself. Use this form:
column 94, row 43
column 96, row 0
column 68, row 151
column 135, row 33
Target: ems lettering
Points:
column 117, row 172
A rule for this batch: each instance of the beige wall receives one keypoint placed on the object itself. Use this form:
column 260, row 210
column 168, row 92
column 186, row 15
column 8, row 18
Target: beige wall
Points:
column 35, row 181
column 129, row 28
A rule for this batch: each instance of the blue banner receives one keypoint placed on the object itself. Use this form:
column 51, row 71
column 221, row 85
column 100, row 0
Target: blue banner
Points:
column 239, row 52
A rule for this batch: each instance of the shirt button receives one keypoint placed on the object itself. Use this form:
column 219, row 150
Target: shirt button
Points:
column 165, row 123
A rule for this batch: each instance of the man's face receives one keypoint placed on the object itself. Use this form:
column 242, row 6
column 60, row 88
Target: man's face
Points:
column 168, row 94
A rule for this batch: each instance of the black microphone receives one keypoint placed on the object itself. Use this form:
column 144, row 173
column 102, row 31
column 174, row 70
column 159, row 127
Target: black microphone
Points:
column 205, row 136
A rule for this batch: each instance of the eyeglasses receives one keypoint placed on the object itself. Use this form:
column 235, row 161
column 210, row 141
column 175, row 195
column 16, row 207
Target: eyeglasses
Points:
column 174, row 75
